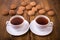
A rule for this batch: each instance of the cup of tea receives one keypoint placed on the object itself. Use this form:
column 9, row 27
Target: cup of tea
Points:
column 43, row 21
column 16, row 22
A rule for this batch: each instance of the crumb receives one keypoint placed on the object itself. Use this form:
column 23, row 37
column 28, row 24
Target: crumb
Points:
column 42, row 11
column 19, row 12
column 31, row 13
column 51, row 13
column 21, row 8
column 12, row 12
column 13, row 6
column 38, row 6
column 32, row 3
column 28, row 7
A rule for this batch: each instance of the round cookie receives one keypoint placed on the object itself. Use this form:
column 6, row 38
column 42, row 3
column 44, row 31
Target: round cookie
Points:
column 32, row 3
column 31, row 12
column 12, row 12
column 50, row 13
column 5, row 12
column 21, row 8
column 38, row 6
column 13, row 6
column 23, row 3
column 42, row 11
column 34, row 9
column 28, row 7
column 19, row 12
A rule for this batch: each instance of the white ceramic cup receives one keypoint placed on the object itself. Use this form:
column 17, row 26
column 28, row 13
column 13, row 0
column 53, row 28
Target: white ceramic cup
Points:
column 49, row 24
column 8, row 23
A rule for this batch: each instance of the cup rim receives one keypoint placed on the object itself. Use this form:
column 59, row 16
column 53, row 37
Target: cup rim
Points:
column 44, row 17
column 17, row 16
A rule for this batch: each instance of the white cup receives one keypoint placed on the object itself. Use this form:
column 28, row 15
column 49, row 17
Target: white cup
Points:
column 8, row 23
column 49, row 24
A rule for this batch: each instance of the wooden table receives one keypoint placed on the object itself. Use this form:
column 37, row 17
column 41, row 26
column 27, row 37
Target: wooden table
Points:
column 55, row 35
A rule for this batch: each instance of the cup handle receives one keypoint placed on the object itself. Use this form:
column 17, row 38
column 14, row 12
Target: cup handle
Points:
column 7, row 22
column 51, row 24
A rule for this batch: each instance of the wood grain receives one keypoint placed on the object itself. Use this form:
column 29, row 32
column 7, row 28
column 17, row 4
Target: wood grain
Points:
column 54, row 4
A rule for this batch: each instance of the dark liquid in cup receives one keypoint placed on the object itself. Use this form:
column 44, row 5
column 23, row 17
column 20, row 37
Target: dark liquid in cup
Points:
column 42, row 20
column 16, row 21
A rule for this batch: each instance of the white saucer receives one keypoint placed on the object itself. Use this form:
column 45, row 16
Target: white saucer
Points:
column 19, row 32
column 40, row 32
